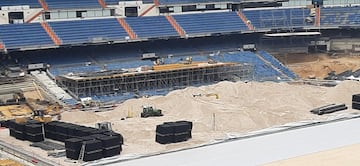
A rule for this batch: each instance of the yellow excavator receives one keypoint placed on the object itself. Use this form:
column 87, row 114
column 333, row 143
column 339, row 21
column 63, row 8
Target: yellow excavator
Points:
column 47, row 114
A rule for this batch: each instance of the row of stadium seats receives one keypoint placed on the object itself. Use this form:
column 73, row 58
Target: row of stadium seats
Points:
column 172, row 2
column 104, row 30
column 276, row 63
column 58, row 4
column 278, row 18
column 334, row 16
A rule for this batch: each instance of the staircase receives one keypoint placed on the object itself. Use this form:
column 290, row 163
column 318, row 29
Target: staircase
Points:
column 102, row 3
column 127, row 28
column 176, row 26
column 51, row 33
column 272, row 66
column 156, row 2
column 33, row 17
column 44, row 4
column 1, row 46
column 317, row 17
column 147, row 10
column 245, row 20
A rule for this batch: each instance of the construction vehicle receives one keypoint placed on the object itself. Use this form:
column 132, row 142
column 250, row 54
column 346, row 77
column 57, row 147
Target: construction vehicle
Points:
column 212, row 94
column 149, row 111
column 45, row 115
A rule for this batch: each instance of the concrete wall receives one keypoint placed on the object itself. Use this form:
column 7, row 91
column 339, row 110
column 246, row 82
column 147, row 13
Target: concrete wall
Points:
column 346, row 44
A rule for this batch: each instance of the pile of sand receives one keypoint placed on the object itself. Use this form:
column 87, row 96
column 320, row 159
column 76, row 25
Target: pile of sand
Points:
column 242, row 107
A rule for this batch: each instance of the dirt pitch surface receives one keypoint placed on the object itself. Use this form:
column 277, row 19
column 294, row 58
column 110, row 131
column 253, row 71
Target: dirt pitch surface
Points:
column 319, row 65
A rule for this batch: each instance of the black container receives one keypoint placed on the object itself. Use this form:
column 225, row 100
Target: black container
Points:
column 91, row 156
column 19, row 135
column 35, row 138
column 110, row 141
column 165, row 129
column 12, row 132
column 73, row 143
column 119, row 136
column 356, row 97
column 181, row 127
column 181, row 137
column 33, row 128
column 72, row 154
column 189, row 124
column 164, row 139
column 19, row 126
column 92, row 145
column 109, row 152
column 356, row 105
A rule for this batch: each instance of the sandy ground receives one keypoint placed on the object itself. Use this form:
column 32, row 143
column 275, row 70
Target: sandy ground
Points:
column 347, row 155
column 242, row 107
column 319, row 65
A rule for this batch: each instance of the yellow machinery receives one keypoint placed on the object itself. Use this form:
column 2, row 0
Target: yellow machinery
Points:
column 212, row 94
column 47, row 114
column 9, row 162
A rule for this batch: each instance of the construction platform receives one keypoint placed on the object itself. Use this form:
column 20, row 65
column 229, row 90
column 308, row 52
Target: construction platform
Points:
column 154, row 77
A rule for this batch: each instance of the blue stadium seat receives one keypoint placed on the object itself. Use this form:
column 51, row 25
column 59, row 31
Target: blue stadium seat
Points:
column 170, row 2
column 72, row 4
column 278, row 18
column 277, row 64
column 340, row 16
column 112, row 2
column 31, row 3
column 87, row 31
column 151, row 27
column 24, row 35
column 205, row 23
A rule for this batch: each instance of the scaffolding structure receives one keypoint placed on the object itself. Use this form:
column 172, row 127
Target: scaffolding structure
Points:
column 154, row 78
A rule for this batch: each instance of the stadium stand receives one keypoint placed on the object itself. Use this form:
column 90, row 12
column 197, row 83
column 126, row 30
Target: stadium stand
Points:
column 278, row 18
column 31, row 3
column 51, row 33
column 175, row 25
column 170, row 2
column 24, row 35
column 112, row 2
column 336, row 16
column 127, row 28
column 276, row 63
column 196, row 24
column 88, row 31
column 71, row 4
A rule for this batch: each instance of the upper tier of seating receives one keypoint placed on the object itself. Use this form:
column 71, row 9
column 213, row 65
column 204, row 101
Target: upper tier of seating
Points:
column 112, row 2
column 335, row 16
column 24, row 35
column 88, row 31
column 68, row 4
column 210, row 23
column 278, row 18
column 109, row 29
column 31, row 3
column 151, row 27
column 171, row 2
